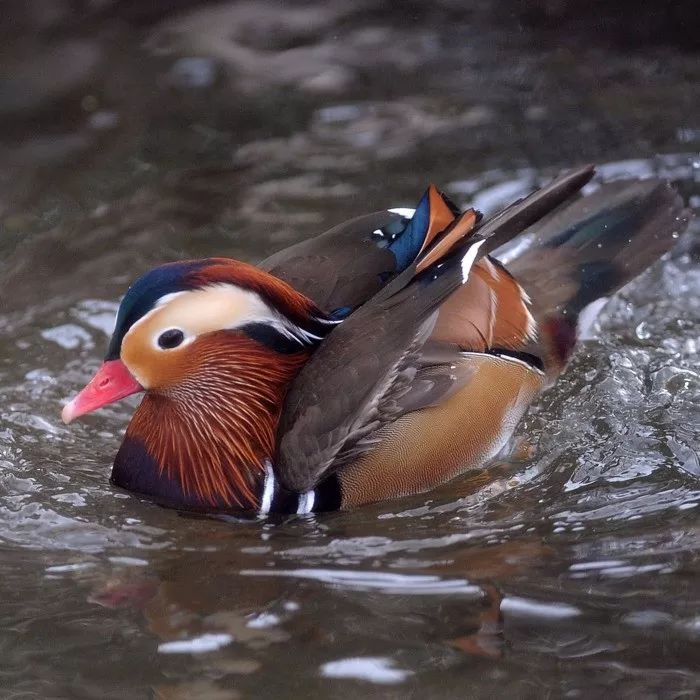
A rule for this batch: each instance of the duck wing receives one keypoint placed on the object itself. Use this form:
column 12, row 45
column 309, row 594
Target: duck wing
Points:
column 431, row 376
column 344, row 267
column 368, row 372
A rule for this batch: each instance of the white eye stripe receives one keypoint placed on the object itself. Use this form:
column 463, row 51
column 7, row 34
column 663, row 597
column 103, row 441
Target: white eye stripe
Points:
column 168, row 298
column 220, row 307
column 252, row 308
column 138, row 323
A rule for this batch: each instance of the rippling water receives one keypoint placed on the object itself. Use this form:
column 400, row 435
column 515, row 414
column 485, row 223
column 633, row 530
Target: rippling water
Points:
column 574, row 572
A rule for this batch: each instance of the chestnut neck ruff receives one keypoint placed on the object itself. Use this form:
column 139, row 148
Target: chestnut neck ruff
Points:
column 213, row 433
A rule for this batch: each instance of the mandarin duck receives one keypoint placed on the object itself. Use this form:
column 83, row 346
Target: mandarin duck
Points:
column 382, row 358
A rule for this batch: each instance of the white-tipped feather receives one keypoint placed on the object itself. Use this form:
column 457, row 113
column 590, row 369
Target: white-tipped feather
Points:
column 290, row 330
column 468, row 259
column 491, row 269
column 531, row 327
column 525, row 296
column 531, row 324
column 217, row 307
column 402, row 211
column 493, row 298
column 506, row 358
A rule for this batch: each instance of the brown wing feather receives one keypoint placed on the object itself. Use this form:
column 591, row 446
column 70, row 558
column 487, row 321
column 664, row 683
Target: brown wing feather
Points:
column 455, row 233
column 514, row 325
column 441, row 216
column 489, row 311
column 345, row 266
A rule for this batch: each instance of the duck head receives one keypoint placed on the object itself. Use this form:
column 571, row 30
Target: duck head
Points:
column 214, row 344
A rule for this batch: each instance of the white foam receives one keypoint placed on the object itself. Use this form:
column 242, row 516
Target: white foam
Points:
column 526, row 607
column 64, row 568
column 374, row 669
column 128, row 561
column 497, row 196
column 262, row 621
column 588, row 316
column 597, row 565
column 196, row 645
column 69, row 336
column 384, row 582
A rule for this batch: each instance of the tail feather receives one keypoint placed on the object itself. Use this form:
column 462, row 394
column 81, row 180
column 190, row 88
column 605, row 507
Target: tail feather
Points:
column 591, row 248
column 515, row 218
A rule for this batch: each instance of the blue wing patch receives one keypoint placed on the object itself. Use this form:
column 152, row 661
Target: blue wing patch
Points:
column 404, row 236
column 407, row 244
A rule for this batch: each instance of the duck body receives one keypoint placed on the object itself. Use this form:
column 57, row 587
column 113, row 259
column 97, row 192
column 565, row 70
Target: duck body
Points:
column 380, row 359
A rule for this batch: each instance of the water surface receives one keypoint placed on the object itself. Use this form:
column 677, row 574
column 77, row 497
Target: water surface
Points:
column 236, row 129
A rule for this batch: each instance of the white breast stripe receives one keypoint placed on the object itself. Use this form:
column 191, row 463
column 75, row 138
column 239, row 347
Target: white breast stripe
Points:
column 468, row 259
column 306, row 502
column 268, row 490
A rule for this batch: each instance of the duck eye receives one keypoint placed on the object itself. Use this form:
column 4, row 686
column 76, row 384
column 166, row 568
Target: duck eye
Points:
column 171, row 338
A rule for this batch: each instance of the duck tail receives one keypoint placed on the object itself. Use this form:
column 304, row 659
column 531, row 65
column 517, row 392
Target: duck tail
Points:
column 570, row 262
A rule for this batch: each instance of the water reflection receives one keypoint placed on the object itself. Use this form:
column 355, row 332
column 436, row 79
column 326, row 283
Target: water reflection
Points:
column 234, row 624
column 231, row 610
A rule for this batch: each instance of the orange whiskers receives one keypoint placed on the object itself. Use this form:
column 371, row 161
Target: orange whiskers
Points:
column 214, row 430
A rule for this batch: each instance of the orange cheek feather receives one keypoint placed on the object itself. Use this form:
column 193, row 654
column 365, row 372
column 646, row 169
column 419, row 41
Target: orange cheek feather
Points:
column 158, row 370
column 213, row 421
